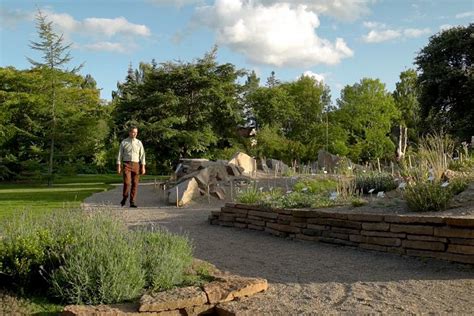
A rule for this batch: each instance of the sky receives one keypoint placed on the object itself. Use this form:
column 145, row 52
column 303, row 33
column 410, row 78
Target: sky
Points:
column 337, row 41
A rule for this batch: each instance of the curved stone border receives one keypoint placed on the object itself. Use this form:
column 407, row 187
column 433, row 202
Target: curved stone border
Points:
column 211, row 298
column 447, row 238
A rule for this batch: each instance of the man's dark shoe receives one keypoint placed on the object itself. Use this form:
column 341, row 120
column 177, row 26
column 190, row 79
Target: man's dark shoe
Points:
column 133, row 205
column 123, row 201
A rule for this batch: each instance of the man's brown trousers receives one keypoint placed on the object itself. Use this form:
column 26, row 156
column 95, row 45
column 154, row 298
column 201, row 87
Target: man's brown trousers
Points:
column 131, row 176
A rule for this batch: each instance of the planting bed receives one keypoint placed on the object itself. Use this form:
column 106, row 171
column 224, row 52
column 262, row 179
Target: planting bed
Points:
column 443, row 237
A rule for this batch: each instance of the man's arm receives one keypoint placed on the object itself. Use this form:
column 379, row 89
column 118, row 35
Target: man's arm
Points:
column 142, row 159
column 119, row 159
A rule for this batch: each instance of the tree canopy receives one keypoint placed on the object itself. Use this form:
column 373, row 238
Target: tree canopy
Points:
column 367, row 111
column 201, row 109
column 181, row 109
column 25, row 121
column 446, row 81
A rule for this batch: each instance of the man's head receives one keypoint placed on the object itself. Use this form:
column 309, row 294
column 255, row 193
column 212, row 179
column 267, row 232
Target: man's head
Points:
column 133, row 132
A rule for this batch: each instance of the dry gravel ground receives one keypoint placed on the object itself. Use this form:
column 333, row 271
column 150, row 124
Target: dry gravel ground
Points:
column 306, row 277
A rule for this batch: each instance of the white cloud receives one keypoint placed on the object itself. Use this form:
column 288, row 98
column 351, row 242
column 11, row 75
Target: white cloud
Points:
column 347, row 10
column 315, row 76
column 279, row 34
column 445, row 27
column 97, row 26
column 10, row 18
column 107, row 47
column 375, row 36
column 416, row 32
column 465, row 15
column 380, row 33
column 177, row 3
column 373, row 25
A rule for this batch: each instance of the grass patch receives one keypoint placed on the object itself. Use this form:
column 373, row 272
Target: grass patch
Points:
column 13, row 304
column 40, row 199
column 67, row 192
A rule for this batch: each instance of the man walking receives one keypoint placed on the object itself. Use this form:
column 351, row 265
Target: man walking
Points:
column 132, row 154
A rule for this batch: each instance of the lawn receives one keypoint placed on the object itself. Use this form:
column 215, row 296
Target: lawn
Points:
column 67, row 192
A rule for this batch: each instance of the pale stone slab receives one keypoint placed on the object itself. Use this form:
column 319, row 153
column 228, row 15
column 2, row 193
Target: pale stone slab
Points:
column 173, row 299
column 228, row 288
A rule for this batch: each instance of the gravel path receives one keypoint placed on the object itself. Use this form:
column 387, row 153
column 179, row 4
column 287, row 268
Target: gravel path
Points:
column 306, row 277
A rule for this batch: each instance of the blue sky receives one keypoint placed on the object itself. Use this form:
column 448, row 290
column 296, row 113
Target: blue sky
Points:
column 338, row 41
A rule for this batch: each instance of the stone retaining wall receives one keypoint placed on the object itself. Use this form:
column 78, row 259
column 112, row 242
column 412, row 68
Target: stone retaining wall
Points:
column 447, row 238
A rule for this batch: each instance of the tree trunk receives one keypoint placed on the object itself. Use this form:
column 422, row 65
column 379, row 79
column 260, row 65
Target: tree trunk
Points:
column 402, row 143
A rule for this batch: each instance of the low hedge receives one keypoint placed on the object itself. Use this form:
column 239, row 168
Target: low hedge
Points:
column 88, row 258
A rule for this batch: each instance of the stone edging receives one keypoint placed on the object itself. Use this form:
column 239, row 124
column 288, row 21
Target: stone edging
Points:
column 193, row 300
column 447, row 238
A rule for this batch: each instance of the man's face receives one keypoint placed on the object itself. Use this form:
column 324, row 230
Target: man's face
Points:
column 133, row 133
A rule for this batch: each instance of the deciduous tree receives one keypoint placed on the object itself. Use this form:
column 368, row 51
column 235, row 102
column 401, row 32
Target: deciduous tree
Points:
column 367, row 111
column 446, row 80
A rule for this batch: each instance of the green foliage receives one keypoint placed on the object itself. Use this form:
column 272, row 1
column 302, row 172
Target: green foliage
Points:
column 435, row 152
column 200, row 273
column 315, row 185
column 181, row 109
column 346, row 188
column 225, row 153
column 464, row 165
column 446, row 82
column 290, row 117
column 366, row 112
column 358, row 202
column 55, row 56
column 272, row 106
column 427, row 196
column 304, row 200
column 375, row 180
column 89, row 258
column 24, row 145
column 166, row 257
column 458, row 185
column 271, row 143
column 249, row 195
column 13, row 304
column 23, row 252
column 406, row 97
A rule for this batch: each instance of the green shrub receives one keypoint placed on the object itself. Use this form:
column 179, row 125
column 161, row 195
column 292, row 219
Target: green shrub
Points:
column 166, row 257
column 199, row 273
column 85, row 258
column 300, row 200
column 103, row 266
column 427, row 196
column 458, row 185
column 250, row 195
column 465, row 165
column 26, row 250
column 297, row 200
column 375, row 180
column 312, row 185
column 358, row 202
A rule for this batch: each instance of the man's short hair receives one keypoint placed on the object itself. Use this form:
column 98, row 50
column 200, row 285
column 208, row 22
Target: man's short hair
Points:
column 131, row 128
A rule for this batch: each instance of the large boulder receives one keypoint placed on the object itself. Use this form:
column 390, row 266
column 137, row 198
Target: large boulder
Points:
column 327, row 160
column 277, row 165
column 262, row 165
column 247, row 163
column 183, row 192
